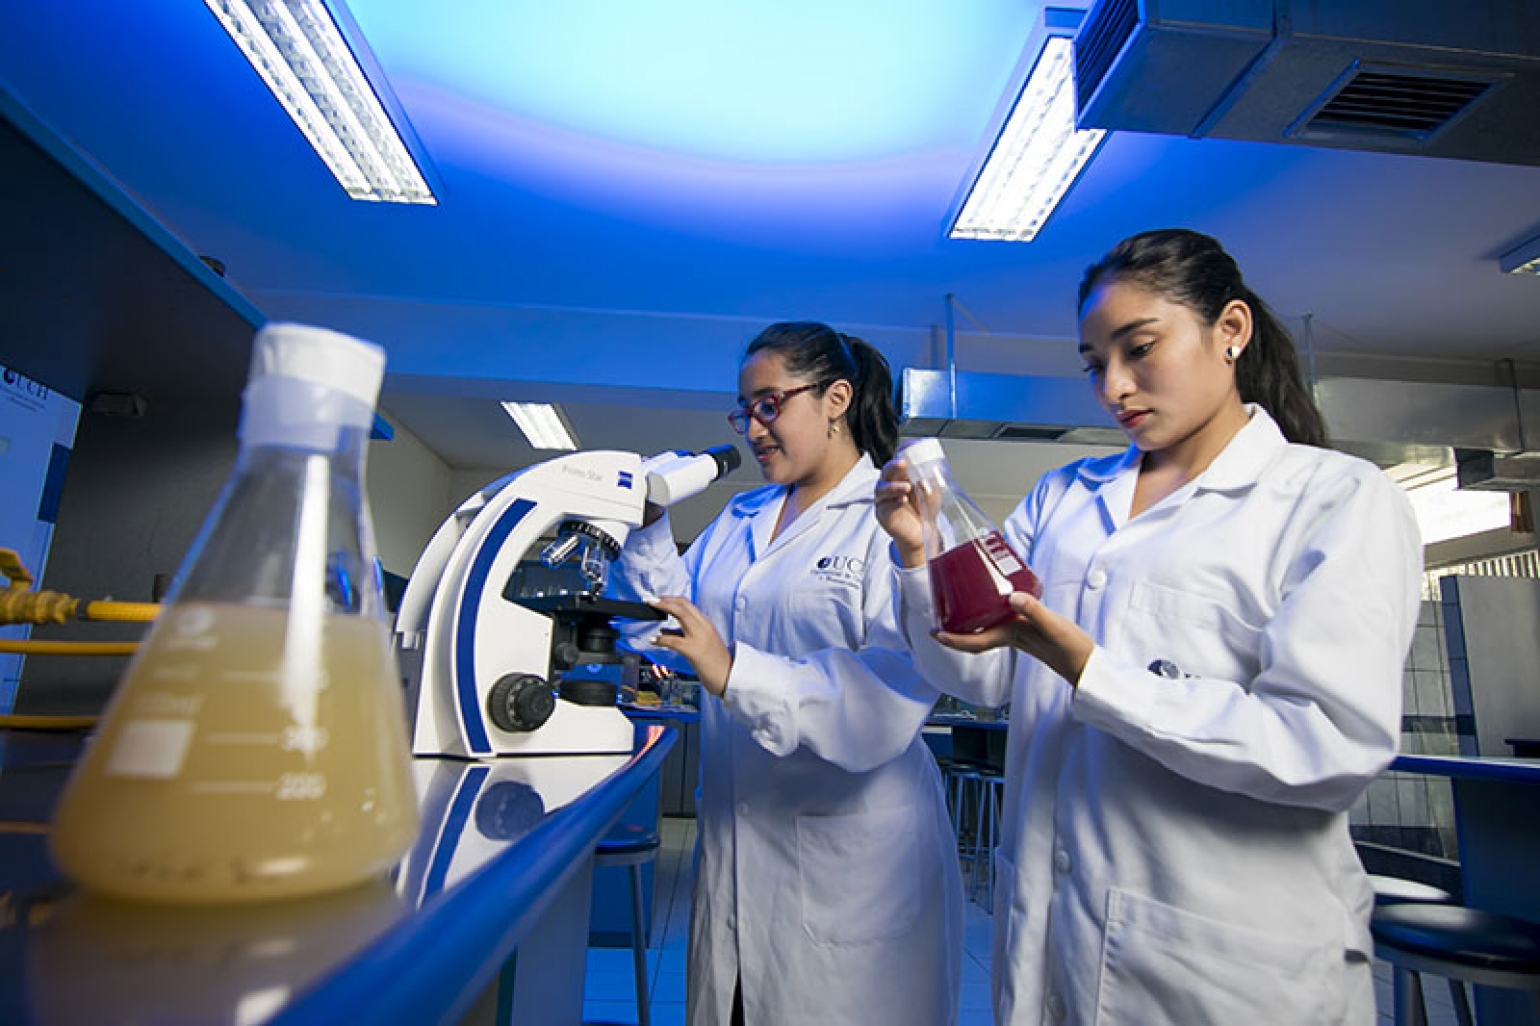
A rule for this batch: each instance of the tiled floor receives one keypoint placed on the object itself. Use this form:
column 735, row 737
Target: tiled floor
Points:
column 610, row 992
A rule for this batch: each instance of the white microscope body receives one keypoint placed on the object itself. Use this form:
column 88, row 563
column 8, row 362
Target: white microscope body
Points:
column 481, row 663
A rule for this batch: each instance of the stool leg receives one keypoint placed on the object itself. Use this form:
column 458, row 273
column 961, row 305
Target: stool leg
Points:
column 1410, row 1010
column 1461, row 1005
column 639, row 946
column 992, row 794
column 987, row 840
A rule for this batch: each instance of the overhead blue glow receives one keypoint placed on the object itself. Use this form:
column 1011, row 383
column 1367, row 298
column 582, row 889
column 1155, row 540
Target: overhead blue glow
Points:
column 800, row 81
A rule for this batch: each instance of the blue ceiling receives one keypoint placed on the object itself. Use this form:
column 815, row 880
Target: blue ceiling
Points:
column 628, row 191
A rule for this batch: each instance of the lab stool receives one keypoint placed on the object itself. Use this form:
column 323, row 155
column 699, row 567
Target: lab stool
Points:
column 1462, row 944
column 974, row 794
column 1396, row 890
column 633, row 845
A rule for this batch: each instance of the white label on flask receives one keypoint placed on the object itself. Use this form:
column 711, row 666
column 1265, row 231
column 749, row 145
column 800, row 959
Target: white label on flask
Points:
column 150, row 749
column 1001, row 553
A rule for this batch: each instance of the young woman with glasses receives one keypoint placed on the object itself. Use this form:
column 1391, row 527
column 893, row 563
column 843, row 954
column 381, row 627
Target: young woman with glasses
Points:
column 827, row 886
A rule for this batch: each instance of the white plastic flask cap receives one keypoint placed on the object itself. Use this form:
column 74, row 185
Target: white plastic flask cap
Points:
column 923, row 450
column 319, row 356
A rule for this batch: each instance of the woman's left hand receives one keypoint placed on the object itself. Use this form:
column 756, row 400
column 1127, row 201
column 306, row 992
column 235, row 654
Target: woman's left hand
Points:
column 1054, row 640
column 697, row 640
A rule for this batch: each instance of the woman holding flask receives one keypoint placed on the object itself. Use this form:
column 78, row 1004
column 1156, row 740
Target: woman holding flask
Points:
column 1210, row 679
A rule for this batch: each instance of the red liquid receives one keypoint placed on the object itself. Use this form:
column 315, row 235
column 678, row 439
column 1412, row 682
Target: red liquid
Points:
column 970, row 584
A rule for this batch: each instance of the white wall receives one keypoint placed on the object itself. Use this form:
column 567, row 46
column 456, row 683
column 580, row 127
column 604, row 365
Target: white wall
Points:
column 410, row 494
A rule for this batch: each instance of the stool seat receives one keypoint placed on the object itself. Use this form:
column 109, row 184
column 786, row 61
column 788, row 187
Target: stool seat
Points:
column 1392, row 890
column 1467, row 937
column 627, row 839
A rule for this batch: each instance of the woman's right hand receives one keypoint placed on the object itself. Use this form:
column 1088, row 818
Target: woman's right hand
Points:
column 898, row 514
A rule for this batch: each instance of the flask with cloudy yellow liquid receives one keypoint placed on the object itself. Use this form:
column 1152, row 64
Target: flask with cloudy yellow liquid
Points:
column 256, row 747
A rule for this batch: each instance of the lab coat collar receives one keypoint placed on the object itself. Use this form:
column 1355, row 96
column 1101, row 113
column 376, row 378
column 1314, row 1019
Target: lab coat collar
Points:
column 1241, row 463
column 1238, row 466
column 858, row 485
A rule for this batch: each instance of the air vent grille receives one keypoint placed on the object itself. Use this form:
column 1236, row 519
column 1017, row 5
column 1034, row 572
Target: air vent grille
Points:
column 1028, row 433
column 1415, row 106
column 1106, row 28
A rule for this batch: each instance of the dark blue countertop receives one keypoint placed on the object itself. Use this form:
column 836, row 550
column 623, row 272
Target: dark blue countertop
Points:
column 498, row 838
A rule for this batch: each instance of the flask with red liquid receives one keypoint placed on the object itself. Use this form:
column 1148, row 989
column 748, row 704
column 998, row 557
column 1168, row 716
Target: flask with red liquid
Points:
column 972, row 569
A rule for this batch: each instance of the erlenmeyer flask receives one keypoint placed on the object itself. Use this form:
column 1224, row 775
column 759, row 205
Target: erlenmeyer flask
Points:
column 256, row 746
column 972, row 569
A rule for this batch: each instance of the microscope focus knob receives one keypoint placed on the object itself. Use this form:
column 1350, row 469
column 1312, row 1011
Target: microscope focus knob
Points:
column 520, row 702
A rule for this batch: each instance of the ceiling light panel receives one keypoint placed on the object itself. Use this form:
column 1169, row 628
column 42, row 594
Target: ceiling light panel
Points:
column 300, row 52
column 1524, row 260
column 1038, row 153
column 543, row 426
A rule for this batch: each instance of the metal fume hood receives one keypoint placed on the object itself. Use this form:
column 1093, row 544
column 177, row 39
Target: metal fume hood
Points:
column 1442, row 78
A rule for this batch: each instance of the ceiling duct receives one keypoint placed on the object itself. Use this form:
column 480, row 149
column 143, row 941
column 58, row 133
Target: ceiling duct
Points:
column 1386, row 421
column 1439, row 78
column 1005, row 407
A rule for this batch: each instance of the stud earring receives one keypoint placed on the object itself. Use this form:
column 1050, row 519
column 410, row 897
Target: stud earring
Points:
column 834, row 428
column 1232, row 353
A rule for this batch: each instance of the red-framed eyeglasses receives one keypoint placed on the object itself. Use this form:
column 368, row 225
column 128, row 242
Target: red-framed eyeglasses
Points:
column 765, row 408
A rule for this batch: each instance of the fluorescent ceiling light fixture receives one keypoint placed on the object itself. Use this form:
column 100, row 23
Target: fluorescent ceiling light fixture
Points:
column 543, row 425
column 299, row 50
column 1038, row 153
column 1524, row 260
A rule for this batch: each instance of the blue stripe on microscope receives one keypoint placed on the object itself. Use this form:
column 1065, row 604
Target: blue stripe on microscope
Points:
column 465, row 629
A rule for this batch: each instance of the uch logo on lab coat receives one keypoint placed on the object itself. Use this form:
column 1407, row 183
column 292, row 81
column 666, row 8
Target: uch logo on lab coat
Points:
column 846, row 570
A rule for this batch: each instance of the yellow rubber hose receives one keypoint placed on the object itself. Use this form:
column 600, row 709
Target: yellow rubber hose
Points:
column 121, row 612
column 20, row 604
column 85, row 648
column 22, row 721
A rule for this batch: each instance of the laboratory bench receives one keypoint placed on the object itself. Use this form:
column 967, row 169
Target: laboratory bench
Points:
column 485, row 919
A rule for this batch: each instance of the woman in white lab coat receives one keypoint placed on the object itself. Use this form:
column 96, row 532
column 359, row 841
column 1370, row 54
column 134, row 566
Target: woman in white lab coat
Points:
column 827, row 887
column 1212, row 676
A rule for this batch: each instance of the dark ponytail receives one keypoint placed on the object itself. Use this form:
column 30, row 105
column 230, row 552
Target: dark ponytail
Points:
column 819, row 353
column 1193, row 269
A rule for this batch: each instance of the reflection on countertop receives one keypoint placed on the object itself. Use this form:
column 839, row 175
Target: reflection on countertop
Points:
column 497, row 837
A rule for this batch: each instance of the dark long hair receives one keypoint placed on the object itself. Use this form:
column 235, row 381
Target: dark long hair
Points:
column 819, row 353
column 1193, row 269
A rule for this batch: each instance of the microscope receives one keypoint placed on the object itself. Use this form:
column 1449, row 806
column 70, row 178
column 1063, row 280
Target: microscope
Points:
column 485, row 665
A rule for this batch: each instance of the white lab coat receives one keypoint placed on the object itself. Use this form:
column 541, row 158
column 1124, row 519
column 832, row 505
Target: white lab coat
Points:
column 1177, row 850
column 827, row 875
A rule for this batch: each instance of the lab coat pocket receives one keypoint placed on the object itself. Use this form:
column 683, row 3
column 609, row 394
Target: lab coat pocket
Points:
column 1161, row 964
column 860, row 875
column 1200, row 636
